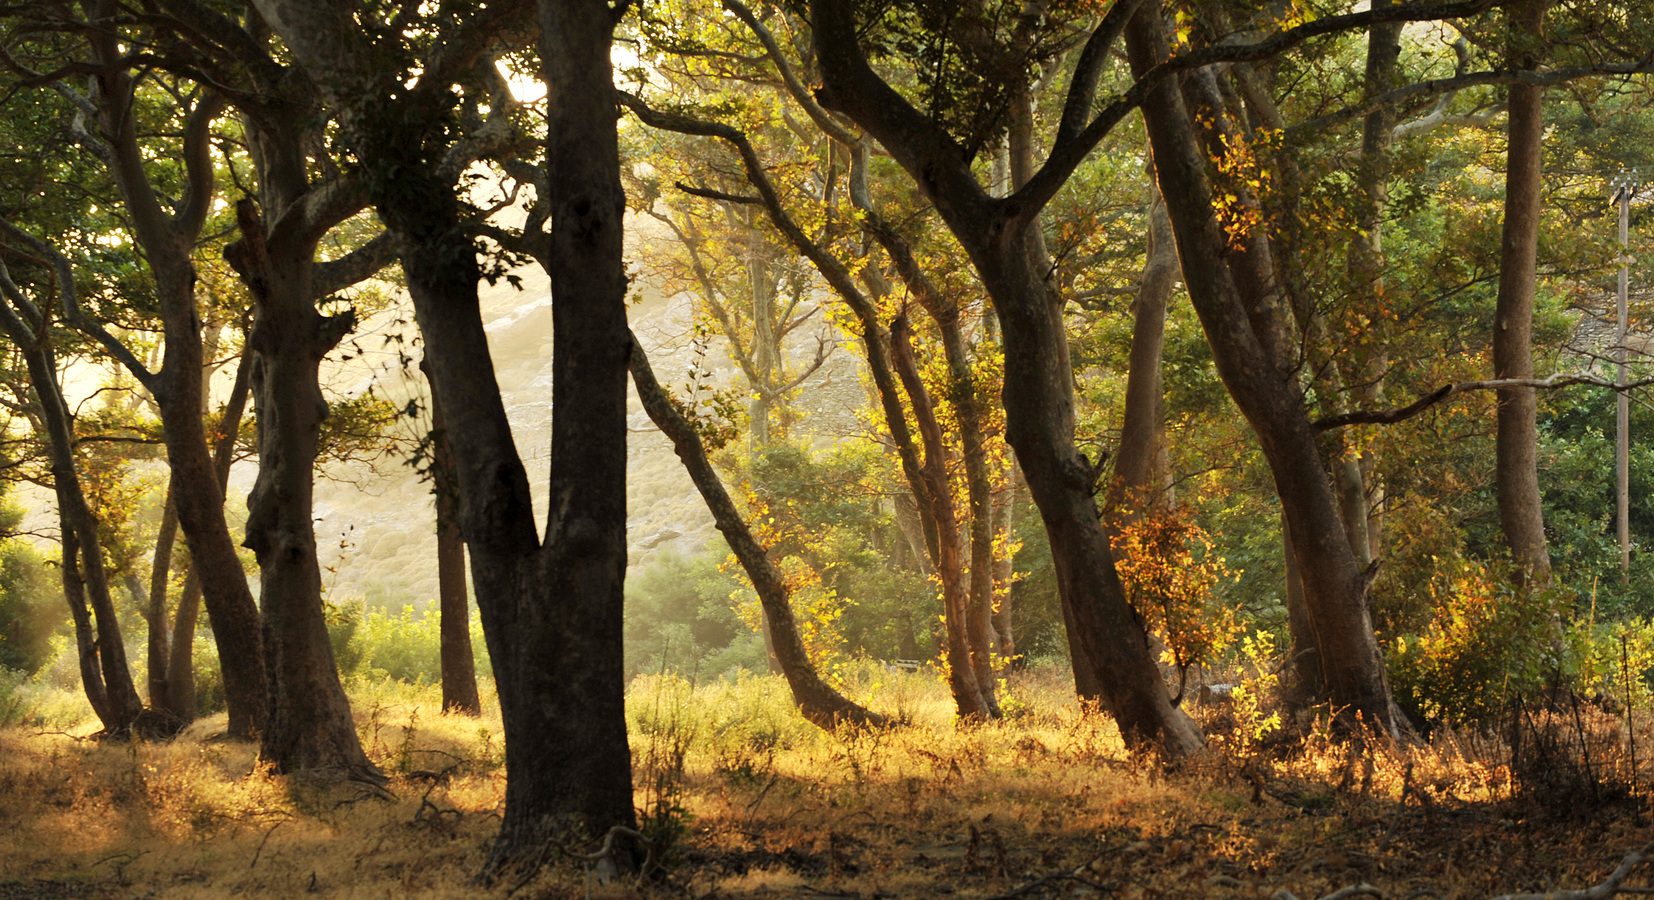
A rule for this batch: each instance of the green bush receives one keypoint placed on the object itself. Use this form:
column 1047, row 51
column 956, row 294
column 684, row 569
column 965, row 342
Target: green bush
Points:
column 1488, row 643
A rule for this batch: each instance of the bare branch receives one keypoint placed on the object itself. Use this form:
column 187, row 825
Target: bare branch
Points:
column 1402, row 413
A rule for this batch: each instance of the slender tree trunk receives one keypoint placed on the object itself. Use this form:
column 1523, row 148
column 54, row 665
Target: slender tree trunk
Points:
column 969, row 695
column 1517, row 437
column 160, row 573
column 1334, row 585
column 181, row 661
column 459, row 667
column 86, row 635
column 1004, row 509
column 1142, row 429
column 121, row 704
column 816, row 699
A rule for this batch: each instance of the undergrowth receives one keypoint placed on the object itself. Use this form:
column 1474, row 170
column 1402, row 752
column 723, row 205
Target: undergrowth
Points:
column 740, row 797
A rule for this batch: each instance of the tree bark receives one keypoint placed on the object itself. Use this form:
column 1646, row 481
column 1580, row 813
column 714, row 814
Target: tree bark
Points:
column 1007, row 250
column 160, row 574
column 970, row 695
column 181, row 660
column 1334, row 585
column 459, row 666
column 167, row 241
column 816, row 700
column 1516, row 475
column 310, row 725
column 1142, row 428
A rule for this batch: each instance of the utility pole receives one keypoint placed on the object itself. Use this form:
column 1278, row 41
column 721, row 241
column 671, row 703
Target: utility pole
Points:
column 1623, row 185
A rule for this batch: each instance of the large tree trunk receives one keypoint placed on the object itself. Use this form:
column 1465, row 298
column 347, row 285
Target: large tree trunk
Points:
column 310, row 725
column 1517, row 439
column 1334, row 585
column 459, row 666
column 816, row 699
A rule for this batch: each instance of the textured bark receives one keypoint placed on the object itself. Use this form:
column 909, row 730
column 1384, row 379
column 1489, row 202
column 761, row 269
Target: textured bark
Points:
column 1005, row 247
column 310, row 725
column 816, row 699
column 1334, row 585
column 459, row 665
column 167, row 240
column 1516, row 476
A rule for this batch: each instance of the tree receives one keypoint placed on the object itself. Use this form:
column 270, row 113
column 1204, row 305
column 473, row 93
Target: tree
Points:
column 1004, row 243
column 1517, row 465
column 551, row 609
column 167, row 237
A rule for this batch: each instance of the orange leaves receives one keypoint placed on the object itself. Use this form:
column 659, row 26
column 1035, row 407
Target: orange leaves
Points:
column 1168, row 567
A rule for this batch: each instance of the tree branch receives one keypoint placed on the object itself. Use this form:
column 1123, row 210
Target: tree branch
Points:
column 1402, row 413
column 356, row 266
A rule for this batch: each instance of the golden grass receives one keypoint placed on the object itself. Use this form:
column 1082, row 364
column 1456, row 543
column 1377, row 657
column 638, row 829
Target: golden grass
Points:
column 759, row 803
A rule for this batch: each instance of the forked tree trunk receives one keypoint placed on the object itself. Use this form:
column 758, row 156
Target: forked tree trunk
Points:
column 1335, row 590
column 816, row 700
column 1008, row 253
column 1516, row 475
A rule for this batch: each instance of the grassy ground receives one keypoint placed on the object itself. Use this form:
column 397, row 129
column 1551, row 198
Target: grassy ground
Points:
column 747, row 800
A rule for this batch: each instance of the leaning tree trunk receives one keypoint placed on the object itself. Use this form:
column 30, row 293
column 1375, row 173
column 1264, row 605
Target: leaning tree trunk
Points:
column 1516, row 475
column 120, row 697
column 1334, row 584
column 459, row 667
column 817, row 700
column 181, row 658
column 972, row 696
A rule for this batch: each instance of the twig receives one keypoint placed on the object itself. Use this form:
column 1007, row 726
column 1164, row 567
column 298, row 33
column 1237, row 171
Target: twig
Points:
column 1608, row 888
column 265, row 840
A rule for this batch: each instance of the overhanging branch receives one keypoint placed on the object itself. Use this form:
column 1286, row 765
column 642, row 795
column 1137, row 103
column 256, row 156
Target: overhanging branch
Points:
column 1402, row 413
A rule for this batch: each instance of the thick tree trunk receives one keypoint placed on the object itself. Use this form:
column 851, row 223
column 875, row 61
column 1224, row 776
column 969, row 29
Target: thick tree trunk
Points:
column 1517, row 439
column 1334, row 585
column 459, row 666
column 816, row 699
column 310, row 725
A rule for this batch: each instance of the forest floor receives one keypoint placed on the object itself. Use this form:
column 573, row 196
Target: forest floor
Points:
column 746, row 800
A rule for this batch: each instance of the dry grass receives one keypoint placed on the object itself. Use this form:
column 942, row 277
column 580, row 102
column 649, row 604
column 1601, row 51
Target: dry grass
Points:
column 751, row 801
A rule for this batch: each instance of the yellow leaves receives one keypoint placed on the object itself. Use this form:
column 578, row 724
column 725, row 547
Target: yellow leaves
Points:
column 1168, row 567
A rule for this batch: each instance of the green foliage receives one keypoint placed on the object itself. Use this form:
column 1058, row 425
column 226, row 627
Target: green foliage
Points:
column 680, row 617
column 1488, row 643
column 404, row 646
column 31, row 606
